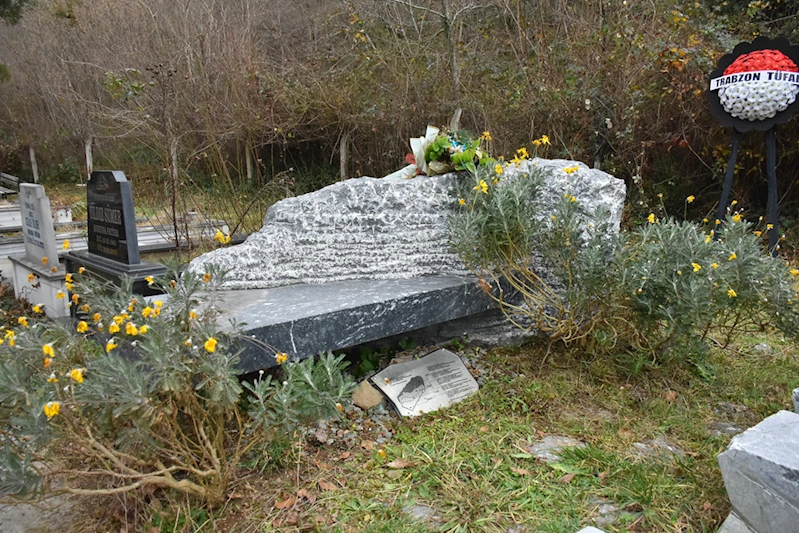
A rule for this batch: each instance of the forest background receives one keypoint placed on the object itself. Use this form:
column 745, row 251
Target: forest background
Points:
column 228, row 95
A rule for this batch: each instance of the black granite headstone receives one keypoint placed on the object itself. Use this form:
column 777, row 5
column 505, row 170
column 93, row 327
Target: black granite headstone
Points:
column 112, row 222
column 113, row 252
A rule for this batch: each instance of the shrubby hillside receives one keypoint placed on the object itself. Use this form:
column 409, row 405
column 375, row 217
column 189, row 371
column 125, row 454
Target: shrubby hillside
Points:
column 238, row 90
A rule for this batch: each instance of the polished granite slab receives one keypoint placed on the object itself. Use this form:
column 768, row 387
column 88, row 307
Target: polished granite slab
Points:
column 303, row 320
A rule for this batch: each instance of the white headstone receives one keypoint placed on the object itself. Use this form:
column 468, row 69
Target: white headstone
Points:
column 37, row 224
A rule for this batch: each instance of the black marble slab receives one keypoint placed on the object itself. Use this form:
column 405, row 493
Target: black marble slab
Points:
column 114, row 271
column 304, row 320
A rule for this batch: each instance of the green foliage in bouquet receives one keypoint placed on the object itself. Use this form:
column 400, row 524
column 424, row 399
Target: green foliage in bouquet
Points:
column 144, row 393
column 458, row 150
column 664, row 289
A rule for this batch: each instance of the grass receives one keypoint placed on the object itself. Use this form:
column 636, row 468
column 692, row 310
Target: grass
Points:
column 472, row 466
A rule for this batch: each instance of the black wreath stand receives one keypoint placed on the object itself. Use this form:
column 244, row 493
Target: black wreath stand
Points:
column 771, row 180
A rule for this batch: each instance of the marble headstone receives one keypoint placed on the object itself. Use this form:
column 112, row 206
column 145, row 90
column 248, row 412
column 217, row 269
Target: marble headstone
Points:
column 112, row 222
column 37, row 224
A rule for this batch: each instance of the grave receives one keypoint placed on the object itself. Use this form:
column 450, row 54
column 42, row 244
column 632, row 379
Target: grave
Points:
column 366, row 259
column 113, row 247
column 38, row 276
column 761, row 473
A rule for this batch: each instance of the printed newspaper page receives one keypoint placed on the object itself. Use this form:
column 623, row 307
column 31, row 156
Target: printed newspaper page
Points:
column 436, row 380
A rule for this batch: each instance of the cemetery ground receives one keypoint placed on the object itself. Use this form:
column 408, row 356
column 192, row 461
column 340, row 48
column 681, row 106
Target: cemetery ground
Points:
column 645, row 441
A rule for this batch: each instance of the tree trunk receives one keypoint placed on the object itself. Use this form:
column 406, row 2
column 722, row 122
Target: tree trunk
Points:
column 453, row 51
column 173, row 175
column 250, row 163
column 344, row 155
column 34, row 166
column 87, row 146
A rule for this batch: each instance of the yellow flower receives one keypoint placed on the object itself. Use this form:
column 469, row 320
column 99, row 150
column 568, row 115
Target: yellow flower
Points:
column 536, row 142
column 481, row 186
column 96, row 317
column 757, row 233
column 173, row 283
column 690, row 199
column 731, row 293
column 461, row 201
column 572, row 199
column 65, row 246
column 118, row 319
column 679, row 272
column 158, row 304
column 697, row 267
column 732, row 256
column 651, row 218
column 149, row 280
column 707, row 238
column 52, row 378
column 77, row 374
column 75, row 298
column 22, row 321
column 69, row 286
column 769, row 226
column 131, row 329
column 210, row 345
column 51, row 409
column 83, row 327
column 281, row 358
column 37, row 309
column 381, row 453
column 81, row 270
column 219, row 236
column 10, row 334
column 110, row 345
column 714, row 264
column 498, row 169
column 147, row 311
column 340, row 408
column 571, row 170
column 734, row 202
column 794, row 272
column 47, row 361
column 545, row 139
column 718, row 222
column 192, row 315
column 31, row 277
column 144, row 329
column 113, row 328
column 704, row 220
column 736, row 217
column 206, row 277
column 522, row 152
column 47, row 350
column 187, row 342
column 486, row 136
column 68, row 278
column 85, row 308
column 44, row 261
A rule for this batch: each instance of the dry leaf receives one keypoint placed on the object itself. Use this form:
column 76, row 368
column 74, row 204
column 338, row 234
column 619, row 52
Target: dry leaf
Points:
column 326, row 485
column 567, row 478
column 345, row 455
column 484, row 286
column 603, row 475
column 394, row 474
column 484, row 429
column 367, row 445
column 520, row 471
column 292, row 519
column 670, row 395
column 303, row 493
column 707, row 506
column 625, row 433
column 397, row 464
column 288, row 502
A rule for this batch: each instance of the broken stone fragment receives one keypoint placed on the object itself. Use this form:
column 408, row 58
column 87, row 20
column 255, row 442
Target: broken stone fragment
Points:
column 367, row 396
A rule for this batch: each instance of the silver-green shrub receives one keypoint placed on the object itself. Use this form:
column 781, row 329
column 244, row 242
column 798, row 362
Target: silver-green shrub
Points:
column 144, row 394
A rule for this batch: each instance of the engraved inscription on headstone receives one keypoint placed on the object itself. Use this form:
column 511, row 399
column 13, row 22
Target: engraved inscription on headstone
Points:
column 112, row 222
column 37, row 224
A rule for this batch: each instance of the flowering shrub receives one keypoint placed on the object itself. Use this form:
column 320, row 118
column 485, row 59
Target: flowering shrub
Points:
column 664, row 288
column 144, row 393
